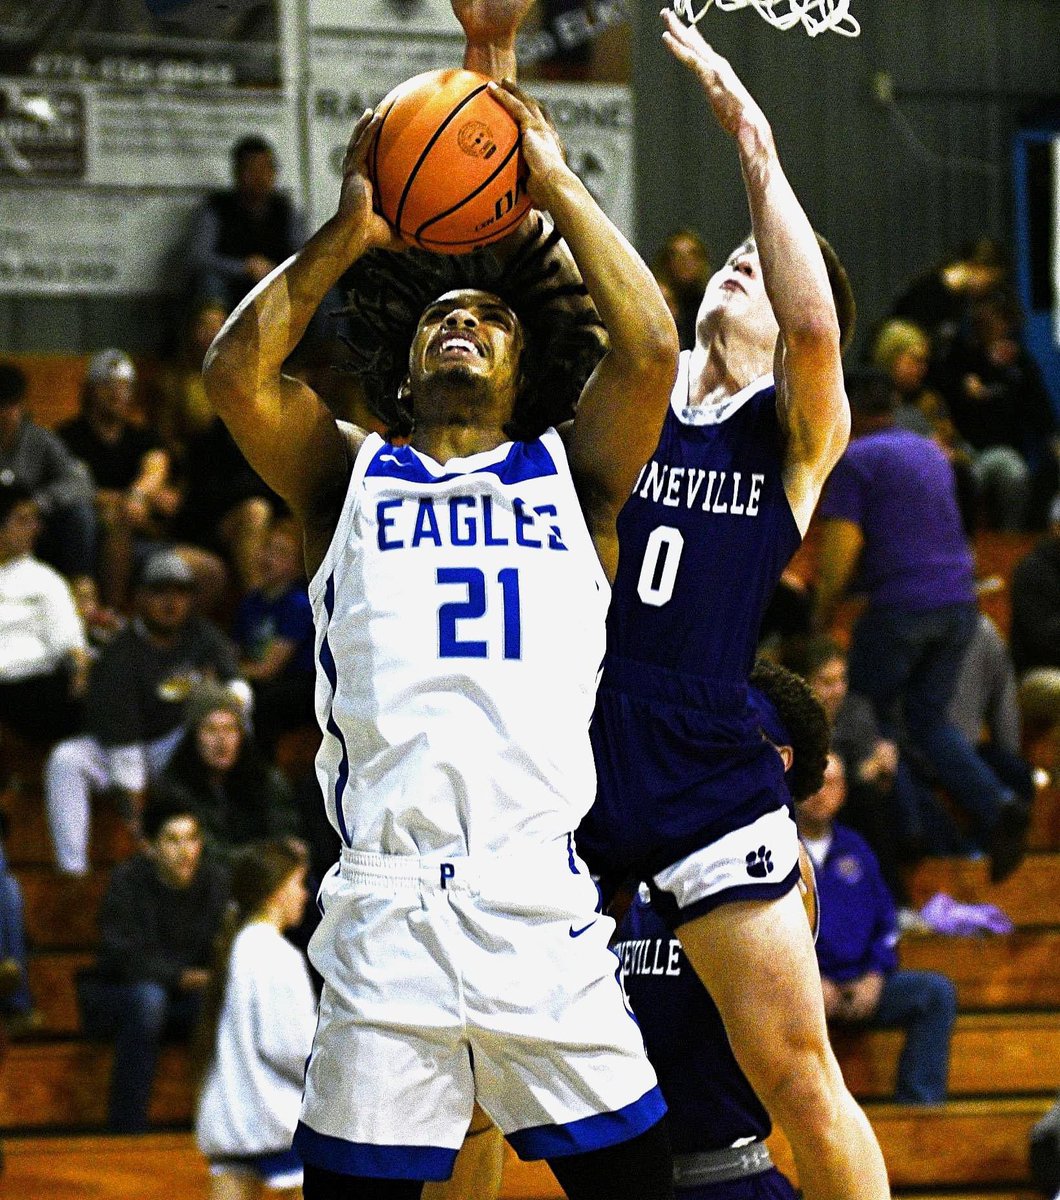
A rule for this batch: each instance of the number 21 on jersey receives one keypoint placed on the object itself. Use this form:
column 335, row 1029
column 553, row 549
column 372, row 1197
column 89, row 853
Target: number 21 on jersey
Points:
column 454, row 642
column 658, row 569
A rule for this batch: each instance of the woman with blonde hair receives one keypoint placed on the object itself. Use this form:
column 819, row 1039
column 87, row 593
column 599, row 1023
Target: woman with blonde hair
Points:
column 256, row 1030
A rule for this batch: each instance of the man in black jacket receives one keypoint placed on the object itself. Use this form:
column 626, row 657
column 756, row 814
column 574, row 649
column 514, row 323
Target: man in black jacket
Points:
column 1035, row 634
column 160, row 916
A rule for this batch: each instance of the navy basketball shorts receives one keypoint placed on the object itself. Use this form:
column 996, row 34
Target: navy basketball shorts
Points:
column 690, row 797
column 469, row 979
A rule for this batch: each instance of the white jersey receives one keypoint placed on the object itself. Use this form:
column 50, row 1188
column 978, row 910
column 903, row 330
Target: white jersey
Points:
column 459, row 634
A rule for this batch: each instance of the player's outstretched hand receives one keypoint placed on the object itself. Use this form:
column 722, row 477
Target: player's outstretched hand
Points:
column 355, row 209
column 490, row 22
column 736, row 109
column 543, row 151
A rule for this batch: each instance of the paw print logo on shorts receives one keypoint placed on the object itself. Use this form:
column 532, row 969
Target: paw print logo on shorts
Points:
column 759, row 863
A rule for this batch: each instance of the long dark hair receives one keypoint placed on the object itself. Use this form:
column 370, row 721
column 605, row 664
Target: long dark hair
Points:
column 259, row 870
column 562, row 333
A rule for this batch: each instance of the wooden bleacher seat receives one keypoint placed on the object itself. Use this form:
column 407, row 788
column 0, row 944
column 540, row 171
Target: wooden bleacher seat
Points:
column 49, row 1085
column 61, row 911
column 996, row 1054
column 29, row 842
column 51, row 980
column 1018, row 970
column 1030, row 896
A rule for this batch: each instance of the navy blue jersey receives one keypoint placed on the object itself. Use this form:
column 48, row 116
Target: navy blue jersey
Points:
column 704, row 537
column 712, row 1105
column 703, row 540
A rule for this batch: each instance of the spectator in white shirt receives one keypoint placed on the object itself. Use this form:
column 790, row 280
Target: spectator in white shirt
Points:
column 256, row 1029
column 43, row 651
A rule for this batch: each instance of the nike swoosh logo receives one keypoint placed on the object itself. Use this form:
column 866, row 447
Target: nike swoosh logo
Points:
column 578, row 932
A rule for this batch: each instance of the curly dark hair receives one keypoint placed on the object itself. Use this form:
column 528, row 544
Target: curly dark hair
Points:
column 563, row 338
column 803, row 718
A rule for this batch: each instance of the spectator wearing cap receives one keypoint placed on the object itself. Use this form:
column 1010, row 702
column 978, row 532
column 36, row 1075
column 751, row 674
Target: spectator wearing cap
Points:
column 44, row 657
column 856, row 950
column 161, row 913
column 218, row 770
column 244, row 232
column 135, row 706
column 59, row 482
column 890, row 524
column 129, row 467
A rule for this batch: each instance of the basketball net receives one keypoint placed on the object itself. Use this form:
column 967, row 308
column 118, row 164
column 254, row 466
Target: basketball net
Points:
column 815, row 16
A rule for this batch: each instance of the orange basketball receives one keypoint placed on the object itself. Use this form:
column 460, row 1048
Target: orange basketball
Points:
column 446, row 167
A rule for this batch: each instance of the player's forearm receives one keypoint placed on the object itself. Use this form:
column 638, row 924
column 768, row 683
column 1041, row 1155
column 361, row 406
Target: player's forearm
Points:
column 495, row 59
column 627, row 297
column 793, row 269
column 270, row 321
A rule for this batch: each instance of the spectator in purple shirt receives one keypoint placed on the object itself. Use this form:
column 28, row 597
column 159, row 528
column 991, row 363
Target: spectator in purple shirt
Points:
column 891, row 526
column 863, row 985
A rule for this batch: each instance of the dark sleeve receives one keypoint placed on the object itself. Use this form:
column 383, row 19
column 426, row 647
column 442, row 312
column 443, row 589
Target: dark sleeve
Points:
column 281, row 814
column 130, row 949
column 65, row 479
column 221, row 652
column 112, row 710
column 883, row 955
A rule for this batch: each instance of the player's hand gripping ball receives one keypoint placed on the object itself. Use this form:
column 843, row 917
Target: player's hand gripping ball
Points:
column 446, row 168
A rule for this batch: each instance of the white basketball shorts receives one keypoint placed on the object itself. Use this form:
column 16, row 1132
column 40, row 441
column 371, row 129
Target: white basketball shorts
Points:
column 451, row 981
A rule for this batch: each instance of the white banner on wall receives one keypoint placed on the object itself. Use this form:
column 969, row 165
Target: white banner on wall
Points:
column 116, row 120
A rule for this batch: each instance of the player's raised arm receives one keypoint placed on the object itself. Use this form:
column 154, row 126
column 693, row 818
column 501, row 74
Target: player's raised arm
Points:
column 282, row 426
column 489, row 28
column 808, row 368
column 622, row 406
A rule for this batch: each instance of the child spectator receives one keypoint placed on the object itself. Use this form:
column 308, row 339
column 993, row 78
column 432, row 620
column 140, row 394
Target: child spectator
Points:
column 273, row 629
column 256, row 1030
column 160, row 915
column 217, row 771
column 863, row 985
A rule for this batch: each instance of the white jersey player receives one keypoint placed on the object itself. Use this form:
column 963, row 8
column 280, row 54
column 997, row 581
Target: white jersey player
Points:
column 459, row 583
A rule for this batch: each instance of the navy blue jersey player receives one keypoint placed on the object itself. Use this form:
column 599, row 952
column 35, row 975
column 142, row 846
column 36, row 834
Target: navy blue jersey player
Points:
column 718, row 1126
column 690, row 799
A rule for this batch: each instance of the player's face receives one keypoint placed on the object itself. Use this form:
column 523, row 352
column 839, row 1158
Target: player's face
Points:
column 468, row 336
column 736, row 292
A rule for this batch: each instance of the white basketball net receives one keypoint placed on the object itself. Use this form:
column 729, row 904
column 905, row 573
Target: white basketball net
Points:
column 815, row 16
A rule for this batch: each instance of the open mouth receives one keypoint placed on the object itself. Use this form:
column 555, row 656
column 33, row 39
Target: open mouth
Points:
column 459, row 345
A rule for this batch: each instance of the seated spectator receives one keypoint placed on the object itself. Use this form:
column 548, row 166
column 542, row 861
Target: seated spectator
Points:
column 889, row 520
column 59, row 483
column 902, row 351
column 217, row 770
column 177, row 404
column 682, row 267
column 134, row 706
column 273, row 628
column 44, row 656
column 1034, row 636
column 226, row 507
column 160, row 916
column 863, row 985
column 17, row 1010
column 985, row 708
column 1001, row 408
column 130, row 470
column 256, row 1029
column 244, row 232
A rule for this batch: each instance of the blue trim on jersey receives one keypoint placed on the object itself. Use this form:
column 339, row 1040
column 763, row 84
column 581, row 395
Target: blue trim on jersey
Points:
column 524, row 460
column 327, row 662
column 570, row 856
column 590, row 1133
column 372, row 1161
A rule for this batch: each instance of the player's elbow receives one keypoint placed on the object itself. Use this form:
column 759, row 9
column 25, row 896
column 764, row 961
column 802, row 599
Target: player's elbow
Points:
column 224, row 374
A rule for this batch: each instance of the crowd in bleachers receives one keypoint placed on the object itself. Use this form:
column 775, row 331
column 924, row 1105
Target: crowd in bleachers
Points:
column 156, row 639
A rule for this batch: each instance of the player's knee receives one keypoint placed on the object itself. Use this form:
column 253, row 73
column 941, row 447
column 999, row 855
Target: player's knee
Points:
column 801, row 1082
